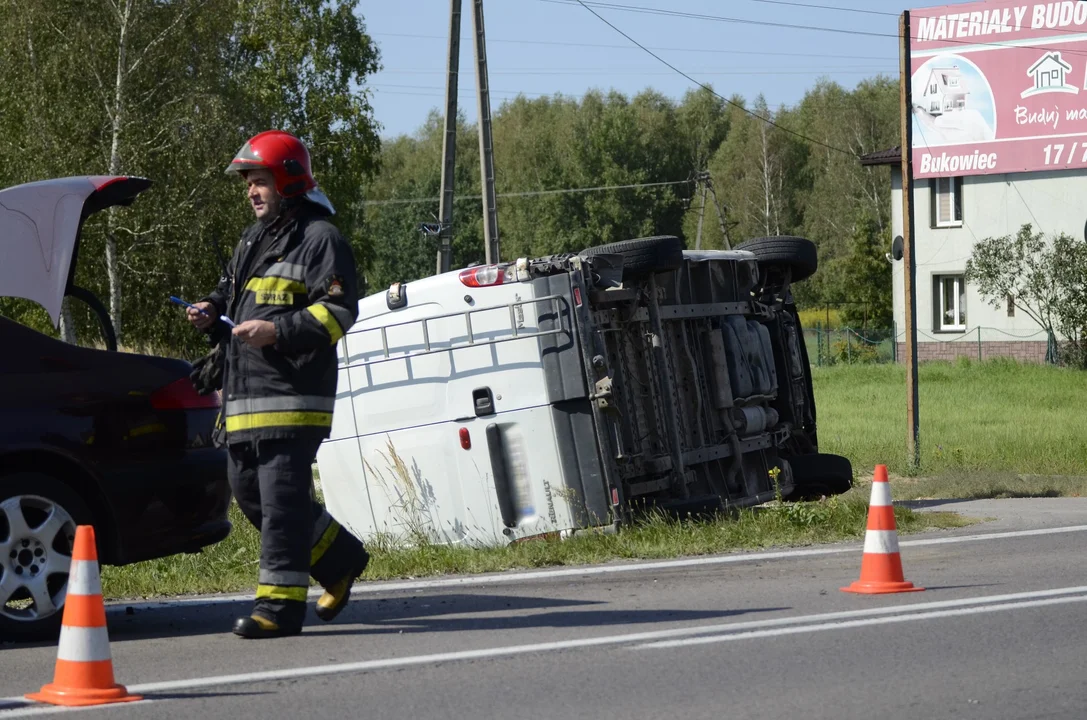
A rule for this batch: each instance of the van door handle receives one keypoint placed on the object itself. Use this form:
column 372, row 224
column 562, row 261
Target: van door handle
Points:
column 483, row 401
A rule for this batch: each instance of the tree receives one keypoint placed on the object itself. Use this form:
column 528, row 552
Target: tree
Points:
column 170, row 91
column 1046, row 280
column 865, row 277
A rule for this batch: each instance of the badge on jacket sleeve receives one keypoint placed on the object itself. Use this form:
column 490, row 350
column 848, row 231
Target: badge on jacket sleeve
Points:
column 335, row 286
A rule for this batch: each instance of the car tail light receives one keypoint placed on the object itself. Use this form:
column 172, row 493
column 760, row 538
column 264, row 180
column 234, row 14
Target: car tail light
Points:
column 465, row 439
column 577, row 296
column 181, row 395
column 488, row 275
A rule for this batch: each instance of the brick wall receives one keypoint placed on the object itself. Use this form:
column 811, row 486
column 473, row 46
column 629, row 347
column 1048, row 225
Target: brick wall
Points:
column 1019, row 350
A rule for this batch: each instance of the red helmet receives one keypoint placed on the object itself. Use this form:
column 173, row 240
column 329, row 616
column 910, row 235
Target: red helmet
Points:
column 288, row 160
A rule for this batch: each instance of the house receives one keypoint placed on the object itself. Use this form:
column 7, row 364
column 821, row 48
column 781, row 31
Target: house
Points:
column 945, row 91
column 950, row 215
column 1048, row 75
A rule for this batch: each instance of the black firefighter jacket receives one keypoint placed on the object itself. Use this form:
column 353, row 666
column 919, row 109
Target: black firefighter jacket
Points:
column 297, row 272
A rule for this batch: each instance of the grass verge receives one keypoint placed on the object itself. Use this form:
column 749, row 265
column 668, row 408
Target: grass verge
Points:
column 976, row 418
column 985, row 486
column 232, row 564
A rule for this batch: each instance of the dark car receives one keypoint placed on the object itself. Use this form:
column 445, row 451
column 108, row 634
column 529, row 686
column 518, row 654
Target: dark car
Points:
column 120, row 441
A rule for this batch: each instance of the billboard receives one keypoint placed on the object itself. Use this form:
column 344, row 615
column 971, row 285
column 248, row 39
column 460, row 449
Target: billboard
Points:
column 999, row 87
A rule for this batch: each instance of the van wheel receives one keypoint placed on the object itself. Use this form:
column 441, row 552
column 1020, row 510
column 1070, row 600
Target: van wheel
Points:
column 785, row 250
column 38, row 519
column 644, row 255
column 819, row 474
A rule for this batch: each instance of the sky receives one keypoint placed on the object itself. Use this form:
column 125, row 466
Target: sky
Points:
column 543, row 47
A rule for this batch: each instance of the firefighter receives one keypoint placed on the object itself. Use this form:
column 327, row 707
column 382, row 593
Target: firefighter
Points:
column 291, row 290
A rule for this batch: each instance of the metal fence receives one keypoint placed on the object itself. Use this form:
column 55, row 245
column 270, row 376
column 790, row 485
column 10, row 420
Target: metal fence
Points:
column 836, row 346
column 854, row 346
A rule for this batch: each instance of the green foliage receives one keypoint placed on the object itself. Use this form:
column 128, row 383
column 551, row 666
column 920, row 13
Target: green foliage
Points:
column 1046, row 279
column 170, row 91
column 863, row 277
column 852, row 351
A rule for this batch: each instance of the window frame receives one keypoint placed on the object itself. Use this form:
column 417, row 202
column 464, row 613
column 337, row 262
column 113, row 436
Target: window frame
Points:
column 939, row 303
column 955, row 185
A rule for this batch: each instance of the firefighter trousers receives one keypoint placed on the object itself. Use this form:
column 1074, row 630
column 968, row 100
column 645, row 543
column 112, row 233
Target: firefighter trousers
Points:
column 272, row 481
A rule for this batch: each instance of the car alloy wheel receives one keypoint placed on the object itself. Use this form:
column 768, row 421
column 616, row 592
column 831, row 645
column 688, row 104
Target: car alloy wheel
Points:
column 36, row 536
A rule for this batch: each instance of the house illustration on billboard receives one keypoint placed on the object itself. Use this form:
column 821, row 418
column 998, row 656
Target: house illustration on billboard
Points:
column 1049, row 74
column 945, row 91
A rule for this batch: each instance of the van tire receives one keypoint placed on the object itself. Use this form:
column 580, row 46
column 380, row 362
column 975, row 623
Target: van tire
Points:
column 797, row 253
column 819, row 474
column 644, row 255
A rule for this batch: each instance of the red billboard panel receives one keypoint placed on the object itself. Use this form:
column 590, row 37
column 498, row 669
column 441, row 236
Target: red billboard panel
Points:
column 999, row 87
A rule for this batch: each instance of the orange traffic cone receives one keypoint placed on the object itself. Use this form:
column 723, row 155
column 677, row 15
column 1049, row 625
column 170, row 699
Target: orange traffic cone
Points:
column 881, row 565
column 84, row 669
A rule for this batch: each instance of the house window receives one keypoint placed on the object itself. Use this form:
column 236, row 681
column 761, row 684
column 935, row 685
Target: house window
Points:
column 949, row 303
column 946, row 202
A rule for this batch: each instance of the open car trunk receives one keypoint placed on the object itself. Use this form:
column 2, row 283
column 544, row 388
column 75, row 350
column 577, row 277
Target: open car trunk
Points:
column 42, row 223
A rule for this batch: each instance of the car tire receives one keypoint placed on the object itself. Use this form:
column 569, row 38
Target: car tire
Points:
column 26, row 560
column 797, row 253
column 819, row 474
column 644, row 255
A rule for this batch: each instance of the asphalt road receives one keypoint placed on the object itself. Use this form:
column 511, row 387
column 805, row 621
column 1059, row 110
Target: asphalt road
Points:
column 999, row 633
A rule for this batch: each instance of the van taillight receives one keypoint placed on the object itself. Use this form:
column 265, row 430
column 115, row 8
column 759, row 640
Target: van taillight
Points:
column 465, row 439
column 181, row 395
column 486, row 275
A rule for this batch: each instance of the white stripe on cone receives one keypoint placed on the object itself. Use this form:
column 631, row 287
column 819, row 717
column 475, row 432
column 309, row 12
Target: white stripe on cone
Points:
column 83, row 578
column 881, row 495
column 83, row 644
column 882, row 542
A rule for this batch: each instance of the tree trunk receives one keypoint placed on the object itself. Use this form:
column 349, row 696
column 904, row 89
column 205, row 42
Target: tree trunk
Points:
column 113, row 266
column 765, row 179
column 67, row 327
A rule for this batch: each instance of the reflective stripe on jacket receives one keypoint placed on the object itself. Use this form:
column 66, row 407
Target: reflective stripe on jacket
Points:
column 298, row 273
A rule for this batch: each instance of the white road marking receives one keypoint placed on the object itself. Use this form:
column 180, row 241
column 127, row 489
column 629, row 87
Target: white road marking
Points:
column 366, row 588
column 648, row 639
column 861, row 623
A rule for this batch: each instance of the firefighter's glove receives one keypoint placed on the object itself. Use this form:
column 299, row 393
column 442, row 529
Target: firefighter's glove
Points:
column 207, row 372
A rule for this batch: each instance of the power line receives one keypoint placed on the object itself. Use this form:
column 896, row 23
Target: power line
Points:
column 528, row 95
column 643, row 73
column 714, row 18
column 530, row 193
column 557, row 43
column 709, row 89
column 817, row 28
column 826, row 7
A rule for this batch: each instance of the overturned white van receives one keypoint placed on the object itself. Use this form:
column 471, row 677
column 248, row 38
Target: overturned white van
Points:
column 548, row 396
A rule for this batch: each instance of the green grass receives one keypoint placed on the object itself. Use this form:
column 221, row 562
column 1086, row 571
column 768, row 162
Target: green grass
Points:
column 232, row 564
column 991, row 417
column 967, row 485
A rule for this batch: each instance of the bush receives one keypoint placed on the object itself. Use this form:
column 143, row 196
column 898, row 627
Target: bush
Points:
column 854, row 352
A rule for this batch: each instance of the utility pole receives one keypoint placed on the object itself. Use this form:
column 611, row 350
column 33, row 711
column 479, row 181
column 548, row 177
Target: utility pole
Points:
column 449, row 143
column 913, row 447
column 701, row 215
column 486, row 145
column 704, row 179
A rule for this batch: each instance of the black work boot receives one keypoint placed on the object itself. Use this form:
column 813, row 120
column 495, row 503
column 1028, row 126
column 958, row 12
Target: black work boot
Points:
column 270, row 622
column 258, row 626
column 338, row 593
